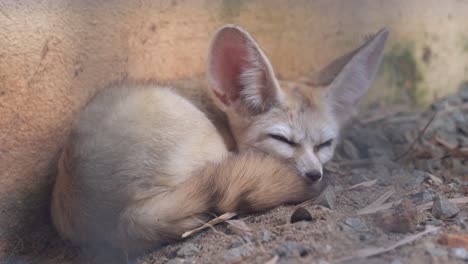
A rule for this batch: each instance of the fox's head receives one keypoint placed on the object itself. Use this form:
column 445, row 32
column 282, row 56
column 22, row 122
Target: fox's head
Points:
column 299, row 122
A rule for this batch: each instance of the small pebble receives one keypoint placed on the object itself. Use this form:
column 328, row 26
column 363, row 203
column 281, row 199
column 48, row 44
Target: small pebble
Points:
column 187, row 250
column 422, row 197
column 443, row 208
column 301, row 214
column 356, row 224
column 266, row 235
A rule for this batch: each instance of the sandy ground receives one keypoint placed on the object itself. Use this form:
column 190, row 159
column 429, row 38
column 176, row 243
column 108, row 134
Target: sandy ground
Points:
column 411, row 166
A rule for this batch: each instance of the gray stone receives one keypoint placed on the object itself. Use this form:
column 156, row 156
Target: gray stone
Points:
column 443, row 209
column 422, row 196
column 459, row 253
column 327, row 197
column 356, row 224
column 238, row 253
column 291, row 248
column 266, row 235
column 187, row 250
column 367, row 237
column 461, row 221
column 236, row 243
column 458, row 116
column 449, row 137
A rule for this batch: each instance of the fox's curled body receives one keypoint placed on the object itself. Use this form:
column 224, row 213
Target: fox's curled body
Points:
column 148, row 181
column 144, row 164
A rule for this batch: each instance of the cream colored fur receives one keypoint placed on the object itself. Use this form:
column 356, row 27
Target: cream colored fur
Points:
column 145, row 163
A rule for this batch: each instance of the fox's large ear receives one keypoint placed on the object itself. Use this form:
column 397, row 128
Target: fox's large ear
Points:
column 350, row 76
column 241, row 75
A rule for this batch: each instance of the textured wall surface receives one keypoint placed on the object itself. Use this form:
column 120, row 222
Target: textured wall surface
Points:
column 55, row 55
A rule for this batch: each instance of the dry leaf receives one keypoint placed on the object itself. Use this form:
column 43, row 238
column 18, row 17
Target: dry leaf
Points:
column 212, row 222
column 374, row 251
column 362, row 184
column 377, row 204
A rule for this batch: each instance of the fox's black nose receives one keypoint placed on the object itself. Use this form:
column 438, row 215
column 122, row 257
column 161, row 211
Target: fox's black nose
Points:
column 314, row 175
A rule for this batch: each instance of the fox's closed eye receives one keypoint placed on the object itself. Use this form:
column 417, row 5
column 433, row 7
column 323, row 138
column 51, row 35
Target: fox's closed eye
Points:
column 323, row 145
column 282, row 139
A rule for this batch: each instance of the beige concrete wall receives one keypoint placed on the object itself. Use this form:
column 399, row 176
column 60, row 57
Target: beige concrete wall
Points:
column 55, row 54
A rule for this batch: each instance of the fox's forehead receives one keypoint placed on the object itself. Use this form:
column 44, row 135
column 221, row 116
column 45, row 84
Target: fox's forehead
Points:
column 305, row 114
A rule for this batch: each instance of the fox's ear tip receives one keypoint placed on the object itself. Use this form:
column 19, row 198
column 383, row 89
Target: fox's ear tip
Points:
column 231, row 28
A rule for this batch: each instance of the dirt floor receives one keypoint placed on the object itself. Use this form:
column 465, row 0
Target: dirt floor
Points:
column 377, row 208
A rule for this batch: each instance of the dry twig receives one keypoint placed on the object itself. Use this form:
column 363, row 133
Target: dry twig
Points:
column 418, row 138
column 212, row 222
column 376, row 205
column 374, row 251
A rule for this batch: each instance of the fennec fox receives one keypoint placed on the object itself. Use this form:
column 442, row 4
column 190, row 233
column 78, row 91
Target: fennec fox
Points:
column 144, row 164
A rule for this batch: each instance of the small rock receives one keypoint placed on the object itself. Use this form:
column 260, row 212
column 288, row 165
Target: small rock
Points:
column 459, row 253
column 301, row 214
column 187, row 250
column 236, row 243
column 461, row 221
column 327, row 197
column 443, row 209
column 291, row 248
column 422, row 196
column 356, row 224
column 322, row 261
column 401, row 219
column 238, row 253
column 266, row 235
column 367, row 237
column 448, row 137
